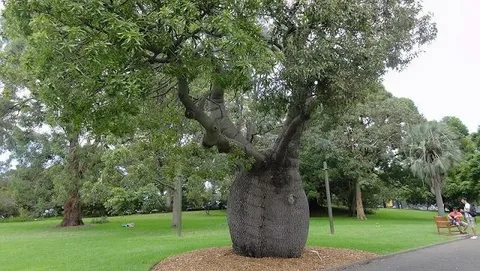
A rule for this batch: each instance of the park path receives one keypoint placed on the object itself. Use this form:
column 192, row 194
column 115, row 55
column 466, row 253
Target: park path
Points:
column 461, row 255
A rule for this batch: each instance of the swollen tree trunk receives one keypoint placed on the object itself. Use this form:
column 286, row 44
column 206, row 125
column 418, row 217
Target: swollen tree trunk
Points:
column 72, row 213
column 359, row 202
column 268, row 213
column 437, row 187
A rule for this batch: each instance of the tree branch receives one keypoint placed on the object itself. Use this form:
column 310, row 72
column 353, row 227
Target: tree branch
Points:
column 287, row 137
column 251, row 131
column 220, row 131
column 293, row 123
column 227, row 128
column 142, row 8
column 192, row 110
column 156, row 59
column 165, row 184
column 19, row 105
column 158, row 95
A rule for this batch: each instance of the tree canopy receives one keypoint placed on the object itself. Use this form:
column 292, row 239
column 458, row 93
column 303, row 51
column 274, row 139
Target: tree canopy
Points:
column 102, row 55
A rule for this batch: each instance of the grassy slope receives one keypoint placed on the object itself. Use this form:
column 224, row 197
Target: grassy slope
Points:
column 40, row 246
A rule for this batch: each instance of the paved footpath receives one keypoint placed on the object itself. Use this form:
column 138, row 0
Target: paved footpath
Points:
column 459, row 255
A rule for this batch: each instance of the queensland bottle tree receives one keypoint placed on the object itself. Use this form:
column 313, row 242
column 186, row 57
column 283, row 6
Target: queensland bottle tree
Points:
column 308, row 53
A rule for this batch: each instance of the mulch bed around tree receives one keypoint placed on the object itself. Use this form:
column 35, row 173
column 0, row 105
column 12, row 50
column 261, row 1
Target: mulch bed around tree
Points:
column 223, row 258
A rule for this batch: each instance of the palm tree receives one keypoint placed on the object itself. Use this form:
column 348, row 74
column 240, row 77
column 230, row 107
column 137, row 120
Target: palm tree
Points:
column 431, row 149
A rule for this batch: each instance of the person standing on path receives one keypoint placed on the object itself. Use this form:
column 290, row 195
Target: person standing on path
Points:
column 470, row 219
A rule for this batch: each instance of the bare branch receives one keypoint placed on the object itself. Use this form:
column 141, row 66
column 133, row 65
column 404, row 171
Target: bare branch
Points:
column 251, row 131
column 164, row 93
column 156, row 59
column 142, row 8
column 19, row 105
column 165, row 184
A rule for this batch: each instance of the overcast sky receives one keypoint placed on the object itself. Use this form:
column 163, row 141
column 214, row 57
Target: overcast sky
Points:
column 444, row 81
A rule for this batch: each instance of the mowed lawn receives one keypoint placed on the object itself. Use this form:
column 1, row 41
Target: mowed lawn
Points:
column 39, row 245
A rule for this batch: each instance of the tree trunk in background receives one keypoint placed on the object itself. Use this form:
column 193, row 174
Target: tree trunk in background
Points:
column 268, row 213
column 437, row 187
column 177, row 205
column 359, row 201
column 351, row 203
column 168, row 199
column 72, row 213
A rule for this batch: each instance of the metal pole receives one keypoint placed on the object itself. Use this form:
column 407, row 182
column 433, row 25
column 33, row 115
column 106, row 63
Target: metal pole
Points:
column 329, row 199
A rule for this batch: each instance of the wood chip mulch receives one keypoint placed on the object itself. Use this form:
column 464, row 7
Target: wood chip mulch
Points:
column 223, row 258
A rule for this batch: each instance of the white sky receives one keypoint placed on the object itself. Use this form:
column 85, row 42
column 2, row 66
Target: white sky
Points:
column 443, row 81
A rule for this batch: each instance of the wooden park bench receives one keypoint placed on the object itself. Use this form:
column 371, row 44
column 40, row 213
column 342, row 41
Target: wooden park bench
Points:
column 444, row 222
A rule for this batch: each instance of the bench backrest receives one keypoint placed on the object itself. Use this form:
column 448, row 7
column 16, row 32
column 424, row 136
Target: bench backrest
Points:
column 440, row 218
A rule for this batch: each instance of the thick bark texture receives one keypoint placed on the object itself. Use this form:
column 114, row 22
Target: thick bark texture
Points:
column 359, row 202
column 437, row 187
column 72, row 213
column 268, row 213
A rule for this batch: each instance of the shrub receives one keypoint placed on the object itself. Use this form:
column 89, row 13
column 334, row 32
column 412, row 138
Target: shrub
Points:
column 100, row 220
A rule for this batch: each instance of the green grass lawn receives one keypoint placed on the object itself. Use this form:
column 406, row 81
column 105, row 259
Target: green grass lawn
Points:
column 39, row 245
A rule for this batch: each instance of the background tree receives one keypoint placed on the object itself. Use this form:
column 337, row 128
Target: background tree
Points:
column 463, row 180
column 476, row 138
column 402, row 184
column 431, row 150
column 8, row 206
column 30, row 152
column 32, row 182
column 364, row 143
column 465, row 139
